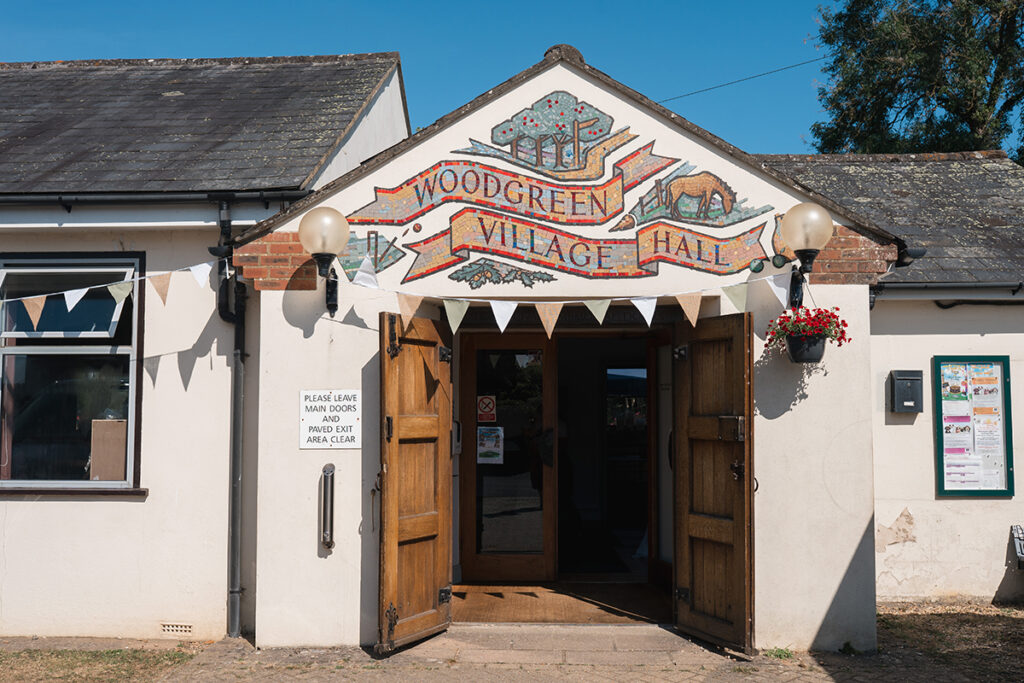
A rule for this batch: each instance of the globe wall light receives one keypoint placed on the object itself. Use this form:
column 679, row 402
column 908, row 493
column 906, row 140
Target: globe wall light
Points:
column 324, row 233
column 806, row 229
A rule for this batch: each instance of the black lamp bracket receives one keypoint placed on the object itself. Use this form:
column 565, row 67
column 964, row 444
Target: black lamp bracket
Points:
column 796, row 281
column 332, row 292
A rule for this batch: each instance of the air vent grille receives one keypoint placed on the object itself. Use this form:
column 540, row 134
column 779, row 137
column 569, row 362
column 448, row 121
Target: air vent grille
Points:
column 177, row 629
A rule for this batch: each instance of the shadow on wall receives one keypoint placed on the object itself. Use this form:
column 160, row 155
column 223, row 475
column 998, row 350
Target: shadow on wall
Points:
column 779, row 384
column 369, row 526
column 1011, row 588
column 849, row 621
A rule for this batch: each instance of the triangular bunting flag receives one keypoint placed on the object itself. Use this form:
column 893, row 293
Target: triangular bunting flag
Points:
column 690, row 303
column 120, row 290
column 161, row 283
column 455, row 309
column 646, row 307
column 407, row 305
column 503, row 311
column 737, row 294
column 34, row 308
column 366, row 276
column 598, row 307
column 151, row 365
column 548, row 313
column 779, row 284
column 73, row 296
column 201, row 272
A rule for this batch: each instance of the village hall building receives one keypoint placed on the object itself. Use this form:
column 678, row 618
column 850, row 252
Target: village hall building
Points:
column 534, row 383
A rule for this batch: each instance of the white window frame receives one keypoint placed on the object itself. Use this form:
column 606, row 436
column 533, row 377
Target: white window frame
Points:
column 130, row 267
column 124, row 273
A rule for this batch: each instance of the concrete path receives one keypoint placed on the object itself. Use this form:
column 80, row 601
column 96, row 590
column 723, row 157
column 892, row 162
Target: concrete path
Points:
column 508, row 652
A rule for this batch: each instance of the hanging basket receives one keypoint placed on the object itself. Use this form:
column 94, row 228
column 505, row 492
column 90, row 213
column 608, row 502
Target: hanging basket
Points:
column 805, row 349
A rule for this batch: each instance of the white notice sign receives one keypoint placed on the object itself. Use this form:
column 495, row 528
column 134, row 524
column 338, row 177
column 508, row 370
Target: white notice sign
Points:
column 330, row 418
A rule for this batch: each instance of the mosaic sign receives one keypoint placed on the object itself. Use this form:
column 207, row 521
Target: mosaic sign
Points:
column 553, row 215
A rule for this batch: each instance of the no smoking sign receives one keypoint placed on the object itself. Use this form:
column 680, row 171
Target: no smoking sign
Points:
column 485, row 409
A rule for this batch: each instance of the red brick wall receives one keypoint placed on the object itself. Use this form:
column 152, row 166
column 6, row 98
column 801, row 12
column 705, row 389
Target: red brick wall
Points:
column 277, row 261
column 851, row 258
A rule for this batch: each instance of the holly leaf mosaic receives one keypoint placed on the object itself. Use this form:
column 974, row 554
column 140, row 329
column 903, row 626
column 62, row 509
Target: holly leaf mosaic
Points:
column 482, row 271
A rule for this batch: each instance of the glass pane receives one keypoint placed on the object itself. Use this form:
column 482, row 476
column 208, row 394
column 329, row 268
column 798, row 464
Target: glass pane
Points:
column 65, row 418
column 92, row 314
column 509, row 473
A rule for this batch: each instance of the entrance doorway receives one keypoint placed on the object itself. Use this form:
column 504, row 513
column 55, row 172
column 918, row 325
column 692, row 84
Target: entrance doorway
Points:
column 558, row 478
column 599, row 458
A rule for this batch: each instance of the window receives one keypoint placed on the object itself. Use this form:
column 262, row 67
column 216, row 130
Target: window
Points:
column 68, row 382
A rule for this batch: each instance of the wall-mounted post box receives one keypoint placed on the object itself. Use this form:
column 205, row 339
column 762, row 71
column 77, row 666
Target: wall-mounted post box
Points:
column 906, row 392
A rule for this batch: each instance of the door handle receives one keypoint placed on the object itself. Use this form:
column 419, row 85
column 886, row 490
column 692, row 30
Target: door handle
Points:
column 327, row 507
column 737, row 470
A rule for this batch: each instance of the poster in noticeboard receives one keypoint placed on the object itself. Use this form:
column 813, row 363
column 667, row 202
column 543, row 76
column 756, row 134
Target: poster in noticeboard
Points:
column 974, row 444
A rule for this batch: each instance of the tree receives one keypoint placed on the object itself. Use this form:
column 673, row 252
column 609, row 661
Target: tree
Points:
column 921, row 75
column 559, row 117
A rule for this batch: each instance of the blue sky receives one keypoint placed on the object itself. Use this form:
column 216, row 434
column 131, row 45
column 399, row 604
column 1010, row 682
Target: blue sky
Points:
column 453, row 51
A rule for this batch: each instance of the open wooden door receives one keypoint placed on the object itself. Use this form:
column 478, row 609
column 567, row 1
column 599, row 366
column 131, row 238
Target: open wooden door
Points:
column 713, row 567
column 415, row 482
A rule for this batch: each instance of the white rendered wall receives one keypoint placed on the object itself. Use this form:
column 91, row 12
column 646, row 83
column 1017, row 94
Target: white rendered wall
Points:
column 939, row 547
column 120, row 566
column 382, row 124
column 813, row 563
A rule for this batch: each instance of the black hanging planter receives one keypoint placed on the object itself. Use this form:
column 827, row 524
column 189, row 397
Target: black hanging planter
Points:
column 805, row 349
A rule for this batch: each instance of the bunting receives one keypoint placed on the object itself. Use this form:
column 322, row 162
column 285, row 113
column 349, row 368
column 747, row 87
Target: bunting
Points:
column 407, row 306
column 73, row 296
column 646, row 306
column 120, row 290
column 201, row 273
column 737, row 294
column 503, row 311
column 34, row 308
column 598, row 307
column 161, row 283
column 548, row 313
column 779, row 286
column 690, row 303
column 455, row 309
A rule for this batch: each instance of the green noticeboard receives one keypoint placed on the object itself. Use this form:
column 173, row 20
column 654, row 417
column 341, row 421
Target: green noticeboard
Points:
column 973, row 428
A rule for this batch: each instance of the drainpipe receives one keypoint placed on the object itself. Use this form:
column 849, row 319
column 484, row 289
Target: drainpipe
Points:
column 235, row 315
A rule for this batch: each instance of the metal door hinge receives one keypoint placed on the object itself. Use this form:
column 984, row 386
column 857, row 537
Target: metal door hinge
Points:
column 444, row 595
column 393, row 346
column 683, row 594
column 388, row 427
column 680, row 352
column 444, row 353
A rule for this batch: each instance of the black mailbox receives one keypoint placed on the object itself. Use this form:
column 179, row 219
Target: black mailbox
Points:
column 905, row 391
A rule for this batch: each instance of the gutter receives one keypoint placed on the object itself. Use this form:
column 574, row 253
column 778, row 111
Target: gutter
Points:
column 957, row 292
column 70, row 200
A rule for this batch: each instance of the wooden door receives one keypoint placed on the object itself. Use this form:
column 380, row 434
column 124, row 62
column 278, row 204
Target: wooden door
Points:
column 415, row 481
column 713, row 408
column 508, row 519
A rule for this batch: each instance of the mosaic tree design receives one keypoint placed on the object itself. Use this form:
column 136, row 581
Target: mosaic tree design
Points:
column 560, row 118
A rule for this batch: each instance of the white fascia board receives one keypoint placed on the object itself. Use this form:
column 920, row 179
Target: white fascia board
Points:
column 129, row 216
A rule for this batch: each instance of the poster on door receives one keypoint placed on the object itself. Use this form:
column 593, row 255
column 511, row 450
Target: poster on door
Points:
column 973, row 425
column 490, row 446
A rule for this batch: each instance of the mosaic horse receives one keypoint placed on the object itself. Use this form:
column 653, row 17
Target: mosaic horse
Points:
column 702, row 186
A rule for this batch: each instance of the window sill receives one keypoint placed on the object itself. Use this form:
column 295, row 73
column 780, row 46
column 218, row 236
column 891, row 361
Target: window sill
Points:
column 45, row 492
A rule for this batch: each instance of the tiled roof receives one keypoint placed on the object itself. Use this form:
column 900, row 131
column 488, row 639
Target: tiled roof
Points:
column 965, row 208
column 178, row 125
